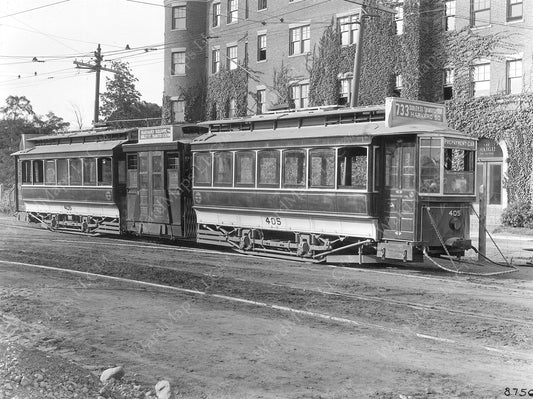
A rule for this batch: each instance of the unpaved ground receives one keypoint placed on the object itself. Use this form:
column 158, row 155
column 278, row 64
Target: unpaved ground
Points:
column 384, row 344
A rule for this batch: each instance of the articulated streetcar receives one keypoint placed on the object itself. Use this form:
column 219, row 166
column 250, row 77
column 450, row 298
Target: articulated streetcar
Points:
column 354, row 185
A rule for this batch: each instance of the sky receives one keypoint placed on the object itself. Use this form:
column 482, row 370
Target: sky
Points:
column 60, row 32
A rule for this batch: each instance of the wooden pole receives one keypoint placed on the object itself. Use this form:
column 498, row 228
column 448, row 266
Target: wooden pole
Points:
column 354, row 99
column 482, row 246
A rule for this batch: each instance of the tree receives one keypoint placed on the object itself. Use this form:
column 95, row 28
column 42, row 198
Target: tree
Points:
column 121, row 101
column 120, row 93
column 18, row 118
column 17, row 108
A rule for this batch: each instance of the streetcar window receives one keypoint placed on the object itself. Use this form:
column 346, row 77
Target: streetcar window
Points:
column 104, row 171
column 38, row 172
column 157, row 172
column 89, row 172
column 245, row 168
column 26, row 171
column 268, row 168
column 62, row 171
column 75, row 172
column 294, row 169
column 132, row 162
column 202, row 168
column 223, row 169
column 458, row 171
column 173, row 171
column 352, row 167
column 322, row 163
column 430, row 165
column 50, row 172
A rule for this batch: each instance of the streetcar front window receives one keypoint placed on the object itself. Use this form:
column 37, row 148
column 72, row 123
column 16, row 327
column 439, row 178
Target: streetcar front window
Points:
column 430, row 165
column 458, row 171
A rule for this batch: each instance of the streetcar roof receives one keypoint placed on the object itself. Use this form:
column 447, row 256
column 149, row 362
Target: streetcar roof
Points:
column 361, row 133
column 82, row 134
column 99, row 148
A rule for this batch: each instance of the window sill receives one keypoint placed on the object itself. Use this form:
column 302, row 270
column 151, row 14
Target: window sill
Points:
column 232, row 23
column 299, row 55
column 261, row 61
column 178, row 29
column 178, row 75
column 514, row 21
column 481, row 27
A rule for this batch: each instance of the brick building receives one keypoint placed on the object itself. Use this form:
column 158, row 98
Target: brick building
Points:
column 227, row 58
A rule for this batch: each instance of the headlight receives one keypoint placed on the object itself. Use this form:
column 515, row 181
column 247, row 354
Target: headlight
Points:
column 456, row 223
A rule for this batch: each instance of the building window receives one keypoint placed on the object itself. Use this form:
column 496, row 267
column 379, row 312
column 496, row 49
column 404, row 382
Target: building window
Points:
column 233, row 11
column 481, row 80
column 178, row 63
column 398, row 85
column 345, row 92
column 515, row 9
column 179, row 20
column 449, row 15
column 261, row 4
column 348, row 28
column 232, row 108
column 231, row 57
column 299, row 95
column 216, row 15
column 398, row 19
column 178, row 110
column 261, row 47
column 215, row 61
column 448, row 84
column 514, row 77
column 480, row 13
column 261, row 101
column 300, row 40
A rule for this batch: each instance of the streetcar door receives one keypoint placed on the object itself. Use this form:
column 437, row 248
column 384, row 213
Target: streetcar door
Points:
column 399, row 190
column 153, row 202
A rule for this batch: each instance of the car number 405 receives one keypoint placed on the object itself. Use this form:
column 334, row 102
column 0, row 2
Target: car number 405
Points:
column 455, row 212
column 273, row 221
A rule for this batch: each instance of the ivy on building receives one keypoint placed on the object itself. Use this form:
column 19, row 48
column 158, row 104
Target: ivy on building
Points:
column 222, row 88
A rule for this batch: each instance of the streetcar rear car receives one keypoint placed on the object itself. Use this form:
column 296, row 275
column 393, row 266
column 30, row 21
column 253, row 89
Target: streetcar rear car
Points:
column 354, row 185
column 110, row 181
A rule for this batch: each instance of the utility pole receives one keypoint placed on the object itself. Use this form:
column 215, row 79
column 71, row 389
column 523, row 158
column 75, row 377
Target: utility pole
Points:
column 358, row 57
column 96, row 67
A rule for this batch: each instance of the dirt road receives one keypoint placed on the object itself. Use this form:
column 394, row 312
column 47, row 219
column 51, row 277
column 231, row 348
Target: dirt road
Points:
column 230, row 326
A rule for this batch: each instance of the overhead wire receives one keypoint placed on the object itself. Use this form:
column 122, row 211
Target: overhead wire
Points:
column 33, row 9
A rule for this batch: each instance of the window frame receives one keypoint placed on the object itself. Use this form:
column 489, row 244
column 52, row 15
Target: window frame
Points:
column 176, row 64
column 300, row 40
column 209, row 169
column 449, row 18
column 179, row 21
column 277, row 172
column 232, row 11
column 26, row 170
column 261, row 47
column 333, row 153
column 232, row 63
column 261, row 5
column 399, row 19
column 37, row 166
column 474, row 11
column 216, row 17
column 215, row 61
column 510, row 79
column 348, row 26
column 303, row 102
column 301, row 168
column 475, row 73
column 510, row 4
column 351, row 187
column 237, row 169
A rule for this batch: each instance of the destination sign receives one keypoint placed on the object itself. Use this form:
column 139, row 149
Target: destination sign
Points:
column 160, row 133
column 463, row 144
column 400, row 111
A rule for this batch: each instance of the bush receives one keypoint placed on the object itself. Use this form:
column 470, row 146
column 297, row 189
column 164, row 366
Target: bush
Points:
column 519, row 214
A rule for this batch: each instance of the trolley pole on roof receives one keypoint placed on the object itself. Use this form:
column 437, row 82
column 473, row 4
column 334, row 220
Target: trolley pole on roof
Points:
column 96, row 67
column 356, row 78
